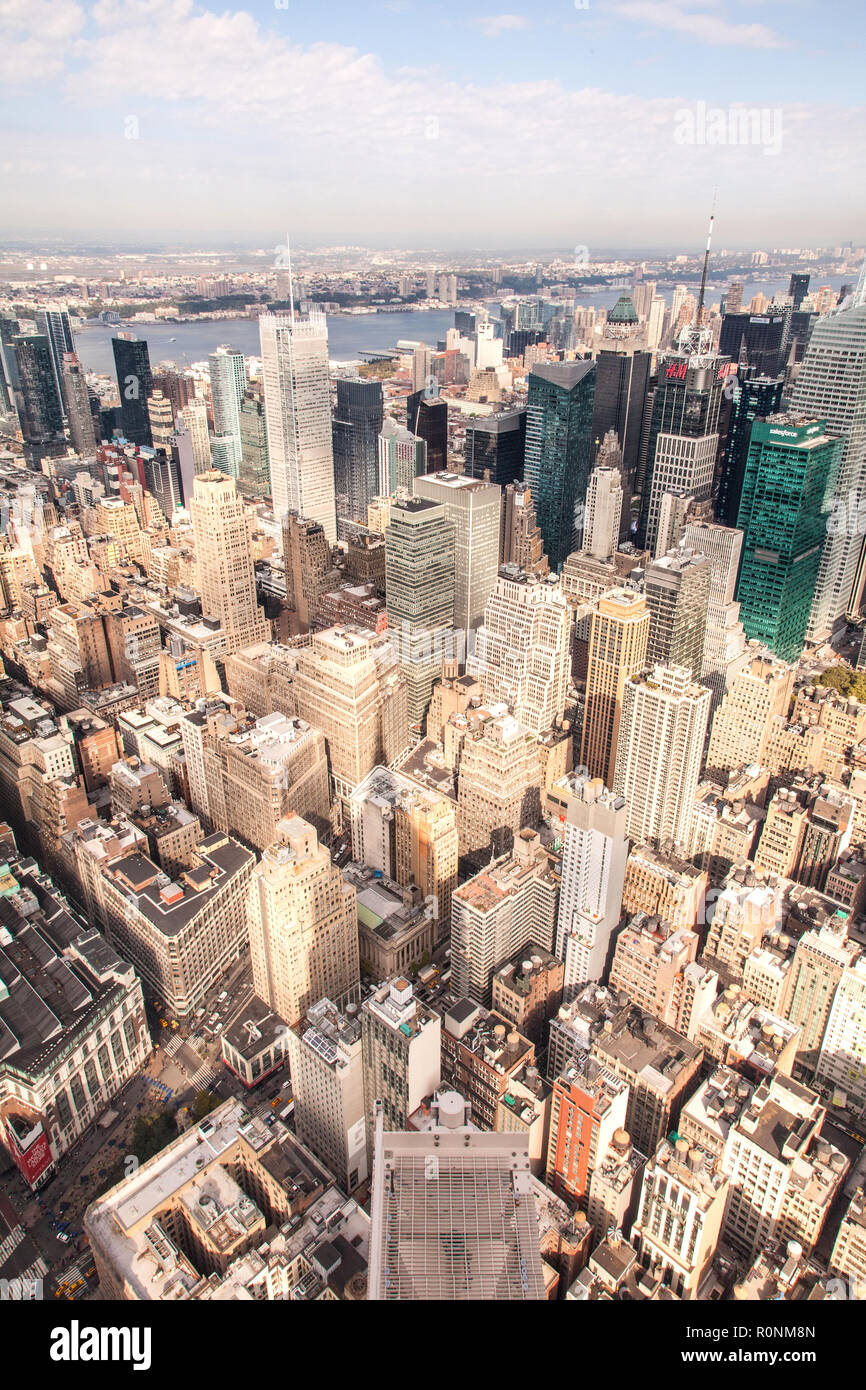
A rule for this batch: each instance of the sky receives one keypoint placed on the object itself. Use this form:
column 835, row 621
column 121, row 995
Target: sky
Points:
column 555, row 124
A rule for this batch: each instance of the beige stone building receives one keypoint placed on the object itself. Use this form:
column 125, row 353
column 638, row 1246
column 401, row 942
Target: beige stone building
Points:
column 302, row 924
column 619, row 633
column 226, row 578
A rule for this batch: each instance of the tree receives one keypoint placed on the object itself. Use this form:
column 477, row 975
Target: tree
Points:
column 846, row 681
column 151, row 1133
column 204, row 1103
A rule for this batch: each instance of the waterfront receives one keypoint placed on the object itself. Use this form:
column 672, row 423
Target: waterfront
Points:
column 348, row 334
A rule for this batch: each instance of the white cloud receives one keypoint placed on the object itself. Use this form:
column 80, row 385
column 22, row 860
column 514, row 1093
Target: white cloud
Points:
column 33, row 34
column 495, row 24
column 683, row 17
column 241, row 131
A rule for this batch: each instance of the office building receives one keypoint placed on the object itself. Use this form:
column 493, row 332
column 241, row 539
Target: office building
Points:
column 400, row 1041
column 603, row 512
column 228, row 383
column 420, row 1182
column 527, row 991
column 520, row 540
column 473, row 508
column 76, row 406
column 588, row 1107
column 791, row 472
column 408, row 834
column 499, row 787
column 743, row 722
column 619, row 633
column 754, row 398
column 189, row 1223
column 480, row 1055
column 225, row 566
column 841, row 1071
column 420, row 582
column 677, row 589
column 36, row 393
column 621, row 392
column 180, row 934
column 358, row 420
column 503, row 910
column 831, row 386
column 254, row 475
column 558, row 439
column 496, row 444
column 402, row 458
column 349, row 685
column 302, row 924
column 297, row 397
column 679, row 1223
column 328, row 1089
column 724, row 651
column 72, row 1015
column 683, row 435
column 762, row 339
column 659, row 753
column 427, row 419
column 135, row 385
column 594, row 853
column 523, row 650
column 821, row 959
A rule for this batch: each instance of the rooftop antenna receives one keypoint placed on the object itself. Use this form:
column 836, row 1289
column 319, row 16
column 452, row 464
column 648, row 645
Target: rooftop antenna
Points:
column 693, row 338
column 700, row 310
column 291, row 280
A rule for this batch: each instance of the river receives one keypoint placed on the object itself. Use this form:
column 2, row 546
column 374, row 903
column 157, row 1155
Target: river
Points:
column 348, row 334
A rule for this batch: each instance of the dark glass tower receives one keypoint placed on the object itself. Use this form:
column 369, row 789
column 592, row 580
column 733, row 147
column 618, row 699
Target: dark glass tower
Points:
column 756, row 397
column 558, row 445
column 798, row 289
column 37, row 397
column 135, row 384
column 765, row 337
column 791, row 470
column 682, row 439
column 356, row 426
column 54, row 324
column 621, row 384
column 496, row 443
column 427, row 417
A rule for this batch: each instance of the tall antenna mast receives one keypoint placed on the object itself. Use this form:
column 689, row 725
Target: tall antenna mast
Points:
column 700, row 310
column 291, row 280
column 693, row 338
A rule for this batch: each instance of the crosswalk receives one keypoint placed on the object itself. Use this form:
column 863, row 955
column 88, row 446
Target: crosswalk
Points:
column 27, row 1286
column 203, row 1077
column 174, row 1043
column 12, row 1241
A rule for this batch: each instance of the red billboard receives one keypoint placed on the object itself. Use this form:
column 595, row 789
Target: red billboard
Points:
column 31, row 1151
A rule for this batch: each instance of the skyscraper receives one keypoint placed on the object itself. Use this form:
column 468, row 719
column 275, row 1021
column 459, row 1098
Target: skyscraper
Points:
column 520, row 539
column 558, row 439
column 474, row 509
column 831, row 386
column 53, row 322
column 523, row 650
column 135, row 384
column 427, row 417
column 499, row 788
column 763, row 338
column 36, row 393
column 798, row 289
column 402, row 458
column 496, row 444
column 683, row 436
column 621, row 384
column 594, row 854
column 76, row 403
column 419, row 568
column 225, row 564
column 303, row 924
column 604, row 498
column 254, row 476
column 357, row 422
column 677, row 591
column 791, row 471
column 755, row 397
column 619, row 632
column 658, row 758
column 725, row 640
column 401, row 1046
column 297, row 395
column 228, row 380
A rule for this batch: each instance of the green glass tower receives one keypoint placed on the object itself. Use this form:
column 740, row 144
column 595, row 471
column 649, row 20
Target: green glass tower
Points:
column 558, row 446
column 791, row 471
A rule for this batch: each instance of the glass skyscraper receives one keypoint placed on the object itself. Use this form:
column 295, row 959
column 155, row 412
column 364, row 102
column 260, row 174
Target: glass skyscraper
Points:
column 496, row 443
column 791, row 470
column 135, row 384
column 357, row 422
column 755, row 398
column 558, row 447
column 831, row 386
